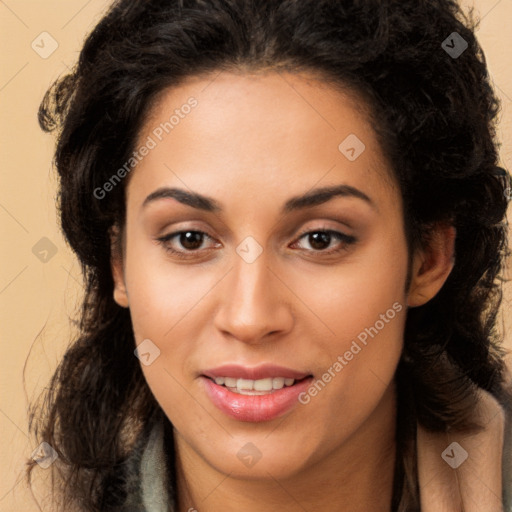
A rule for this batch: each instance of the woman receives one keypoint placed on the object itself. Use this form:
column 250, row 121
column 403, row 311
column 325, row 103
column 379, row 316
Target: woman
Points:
column 291, row 225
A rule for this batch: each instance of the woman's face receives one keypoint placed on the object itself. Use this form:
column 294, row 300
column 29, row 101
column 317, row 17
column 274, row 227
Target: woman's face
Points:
column 292, row 265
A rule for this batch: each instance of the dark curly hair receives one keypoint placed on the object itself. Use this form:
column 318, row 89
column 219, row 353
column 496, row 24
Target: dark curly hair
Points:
column 435, row 118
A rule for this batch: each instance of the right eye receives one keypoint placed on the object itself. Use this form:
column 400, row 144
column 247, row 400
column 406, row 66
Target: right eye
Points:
column 190, row 240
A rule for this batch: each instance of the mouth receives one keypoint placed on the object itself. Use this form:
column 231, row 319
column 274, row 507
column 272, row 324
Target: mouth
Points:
column 255, row 387
column 254, row 394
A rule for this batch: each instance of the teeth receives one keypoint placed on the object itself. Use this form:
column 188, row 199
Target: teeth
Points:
column 263, row 384
column 229, row 382
column 278, row 382
column 245, row 384
column 254, row 387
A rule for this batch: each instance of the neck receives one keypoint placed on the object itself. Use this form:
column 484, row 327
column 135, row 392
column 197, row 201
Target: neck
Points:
column 357, row 476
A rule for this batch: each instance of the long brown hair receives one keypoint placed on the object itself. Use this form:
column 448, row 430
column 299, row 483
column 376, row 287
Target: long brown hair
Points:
column 434, row 114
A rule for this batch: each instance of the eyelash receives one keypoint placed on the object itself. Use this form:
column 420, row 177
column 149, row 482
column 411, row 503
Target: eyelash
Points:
column 346, row 240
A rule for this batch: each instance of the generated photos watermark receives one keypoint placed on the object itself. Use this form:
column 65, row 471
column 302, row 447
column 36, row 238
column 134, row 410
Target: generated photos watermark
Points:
column 356, row 346
column 454, row 455
column 44, row 455
column 454, row 45
column 157, row 135
column 249, row 455
column 147, row 352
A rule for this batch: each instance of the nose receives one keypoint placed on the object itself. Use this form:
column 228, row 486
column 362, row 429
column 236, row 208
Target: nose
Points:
column 254, row 303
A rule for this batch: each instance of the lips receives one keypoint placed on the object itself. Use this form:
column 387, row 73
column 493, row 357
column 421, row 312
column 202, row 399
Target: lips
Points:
column 254, row 394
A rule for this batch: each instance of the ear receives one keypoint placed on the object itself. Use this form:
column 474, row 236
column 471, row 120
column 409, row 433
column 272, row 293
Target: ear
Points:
column 117, row 267
column 432, row 265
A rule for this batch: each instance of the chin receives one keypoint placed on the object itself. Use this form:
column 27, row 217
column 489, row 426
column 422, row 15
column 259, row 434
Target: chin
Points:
column 257, row 459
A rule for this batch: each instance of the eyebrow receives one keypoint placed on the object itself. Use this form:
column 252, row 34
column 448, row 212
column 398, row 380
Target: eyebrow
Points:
column 309, row 199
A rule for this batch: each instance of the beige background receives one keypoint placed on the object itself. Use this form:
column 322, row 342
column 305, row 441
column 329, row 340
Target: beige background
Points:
column 38, row 297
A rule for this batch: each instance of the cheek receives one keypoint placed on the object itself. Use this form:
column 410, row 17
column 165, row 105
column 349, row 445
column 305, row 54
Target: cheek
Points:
column 161, row 293
column 363, row 304
column 351, row 297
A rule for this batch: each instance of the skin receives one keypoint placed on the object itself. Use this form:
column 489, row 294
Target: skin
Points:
column 253, row 142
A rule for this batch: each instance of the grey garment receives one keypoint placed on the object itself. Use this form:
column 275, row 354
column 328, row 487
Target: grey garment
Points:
column 148, row 491
column 154, row 478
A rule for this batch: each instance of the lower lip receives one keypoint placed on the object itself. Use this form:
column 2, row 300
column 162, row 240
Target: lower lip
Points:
column 255, row 408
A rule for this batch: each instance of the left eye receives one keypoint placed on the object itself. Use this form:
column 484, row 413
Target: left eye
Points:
column 320, row 240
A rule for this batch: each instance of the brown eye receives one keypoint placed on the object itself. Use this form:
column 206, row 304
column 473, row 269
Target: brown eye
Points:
column 320, row 240
column 184, row 243
column 191, row 240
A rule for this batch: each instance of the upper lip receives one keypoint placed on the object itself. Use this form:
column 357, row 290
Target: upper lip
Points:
column 254, row 373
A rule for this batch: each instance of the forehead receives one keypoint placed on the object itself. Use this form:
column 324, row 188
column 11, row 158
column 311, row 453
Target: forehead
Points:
column 269, row 134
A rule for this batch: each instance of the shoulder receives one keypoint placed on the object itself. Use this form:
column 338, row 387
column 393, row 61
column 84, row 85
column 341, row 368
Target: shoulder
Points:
column 473, row 464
